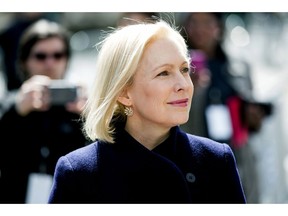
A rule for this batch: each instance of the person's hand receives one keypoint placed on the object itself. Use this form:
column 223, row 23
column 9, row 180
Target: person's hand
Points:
column 33, row 95
column 78, row 105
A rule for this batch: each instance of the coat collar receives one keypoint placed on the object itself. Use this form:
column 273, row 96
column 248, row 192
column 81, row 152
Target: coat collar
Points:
column 176, row 149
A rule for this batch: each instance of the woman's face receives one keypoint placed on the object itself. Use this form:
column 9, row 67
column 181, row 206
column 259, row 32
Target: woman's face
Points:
column 162, row 89
column 47, row 57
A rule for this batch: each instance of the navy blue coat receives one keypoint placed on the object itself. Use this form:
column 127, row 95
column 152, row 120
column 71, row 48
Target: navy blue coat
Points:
column 182, row 169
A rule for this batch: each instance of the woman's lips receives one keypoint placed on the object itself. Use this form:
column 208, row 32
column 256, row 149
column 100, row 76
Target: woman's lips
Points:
column 180, row 103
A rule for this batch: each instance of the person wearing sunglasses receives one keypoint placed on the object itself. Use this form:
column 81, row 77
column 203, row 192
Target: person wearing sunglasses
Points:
column 35, row 130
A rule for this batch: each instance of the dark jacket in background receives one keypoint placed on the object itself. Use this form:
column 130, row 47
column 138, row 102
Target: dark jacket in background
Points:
column 183, row 169
column 33, row 144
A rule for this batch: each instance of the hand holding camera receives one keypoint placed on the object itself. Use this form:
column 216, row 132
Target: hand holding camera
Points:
column 63, row 93
column 39, row 93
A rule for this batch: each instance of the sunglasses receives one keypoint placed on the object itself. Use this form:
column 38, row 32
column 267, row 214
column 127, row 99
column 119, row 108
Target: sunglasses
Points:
column 41, row 56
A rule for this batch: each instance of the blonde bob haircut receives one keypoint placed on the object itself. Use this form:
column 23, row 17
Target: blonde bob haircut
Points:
column 118, row 59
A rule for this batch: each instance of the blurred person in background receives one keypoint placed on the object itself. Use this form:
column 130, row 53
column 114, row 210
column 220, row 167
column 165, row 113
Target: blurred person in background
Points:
column 221, row 110
column 43, row 121
column 142, row 92
column 9, row 42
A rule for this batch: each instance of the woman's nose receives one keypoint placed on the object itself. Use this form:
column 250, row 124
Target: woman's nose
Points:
column 183, row 82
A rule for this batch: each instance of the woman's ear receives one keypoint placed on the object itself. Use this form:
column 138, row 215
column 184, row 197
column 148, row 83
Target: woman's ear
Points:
column 124, row 98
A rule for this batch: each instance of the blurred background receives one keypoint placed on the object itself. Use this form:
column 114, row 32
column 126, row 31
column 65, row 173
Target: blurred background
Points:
column 260, row 39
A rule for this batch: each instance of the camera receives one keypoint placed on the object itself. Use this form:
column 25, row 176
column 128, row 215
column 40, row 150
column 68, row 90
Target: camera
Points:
column 62, row 92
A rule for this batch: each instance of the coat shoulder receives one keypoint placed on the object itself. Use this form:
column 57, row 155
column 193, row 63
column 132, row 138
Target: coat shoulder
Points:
column 84, row 158
column 202, row 146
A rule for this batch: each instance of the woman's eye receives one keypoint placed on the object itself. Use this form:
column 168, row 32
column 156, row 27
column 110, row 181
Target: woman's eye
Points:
column 164, row 73
column 186, row 70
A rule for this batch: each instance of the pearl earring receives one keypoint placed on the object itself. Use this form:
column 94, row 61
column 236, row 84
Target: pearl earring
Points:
column 128, row 111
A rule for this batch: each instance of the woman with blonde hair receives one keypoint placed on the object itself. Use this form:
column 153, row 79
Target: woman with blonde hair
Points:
column 142, row 93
